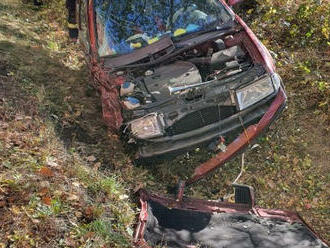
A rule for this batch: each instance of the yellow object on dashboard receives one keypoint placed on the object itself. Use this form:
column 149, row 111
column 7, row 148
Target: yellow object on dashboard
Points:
column 153, row 40
column 179, row 31
column 136, row 45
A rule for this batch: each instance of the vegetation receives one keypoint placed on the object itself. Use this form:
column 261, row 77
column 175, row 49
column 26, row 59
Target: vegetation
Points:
column 66, row 182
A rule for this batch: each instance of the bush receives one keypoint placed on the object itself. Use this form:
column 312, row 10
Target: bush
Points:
column 305, row 24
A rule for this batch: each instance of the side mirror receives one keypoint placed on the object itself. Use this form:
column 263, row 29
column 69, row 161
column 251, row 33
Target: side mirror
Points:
column 233, row 2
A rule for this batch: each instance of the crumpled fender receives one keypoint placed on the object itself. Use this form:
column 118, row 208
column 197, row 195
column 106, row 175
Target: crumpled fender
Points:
column 242, row 141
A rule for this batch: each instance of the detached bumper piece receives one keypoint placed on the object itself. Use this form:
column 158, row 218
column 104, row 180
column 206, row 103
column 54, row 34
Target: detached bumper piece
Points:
column 193, row 223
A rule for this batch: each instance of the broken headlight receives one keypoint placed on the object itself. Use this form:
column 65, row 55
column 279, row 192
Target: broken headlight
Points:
column 257, row 91
column 149, row 126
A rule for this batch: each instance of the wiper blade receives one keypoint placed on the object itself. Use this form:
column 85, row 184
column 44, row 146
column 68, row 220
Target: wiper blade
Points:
column 140, row 54
column 183, row 46
column 225, row 27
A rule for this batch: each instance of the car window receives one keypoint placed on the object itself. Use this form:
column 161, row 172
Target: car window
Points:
column 124, row 26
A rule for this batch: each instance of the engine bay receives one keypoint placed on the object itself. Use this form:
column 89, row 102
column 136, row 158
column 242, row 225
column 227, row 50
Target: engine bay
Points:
column 194, row 69
column 191, row 90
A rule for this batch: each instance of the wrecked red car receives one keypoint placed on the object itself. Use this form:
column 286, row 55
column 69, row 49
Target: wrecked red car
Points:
column 176, row 74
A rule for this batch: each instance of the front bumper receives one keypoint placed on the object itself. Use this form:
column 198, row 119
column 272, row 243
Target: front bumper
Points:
column 183, row 142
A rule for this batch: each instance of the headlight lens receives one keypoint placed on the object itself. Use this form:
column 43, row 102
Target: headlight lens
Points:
column 149, row 126
column 255, row 92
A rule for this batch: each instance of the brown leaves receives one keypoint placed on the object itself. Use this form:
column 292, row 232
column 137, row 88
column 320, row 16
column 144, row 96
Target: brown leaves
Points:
column 88, row 211
column 91, row 158
column 72, row 197
column 43, row 191
column 46, row 200
column 96, row 166
column 308, row 206
column 88, row 214
column 15, row 210
column 46, row 172
column 45, row 196
column 271, row 184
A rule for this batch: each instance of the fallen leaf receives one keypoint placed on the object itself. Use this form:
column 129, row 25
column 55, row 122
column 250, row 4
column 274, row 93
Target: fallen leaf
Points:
column 46, row 200
column 89, row 235
column 295, row 161
column 52, row 163
column 271, row 184
column 73, row 197
column 35, row 221
column 43, row 191
column 89, row 212
column 91, row 158
column 12, row 199
column 4, row 125
column 255, row 146
column 123, row 197
column 96, row 166
column 78, row 214
column 19, row 117
column 46, row 172
column 308, row 206
column 138, row 187
column 76, row 184
column 70, row 242
column 44, row 184
column 15, row 210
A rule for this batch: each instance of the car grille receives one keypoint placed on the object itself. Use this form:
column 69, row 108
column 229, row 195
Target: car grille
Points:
column 201, row 118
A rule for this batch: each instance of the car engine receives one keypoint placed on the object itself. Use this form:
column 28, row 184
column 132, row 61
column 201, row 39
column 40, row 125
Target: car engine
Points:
column 190, row 91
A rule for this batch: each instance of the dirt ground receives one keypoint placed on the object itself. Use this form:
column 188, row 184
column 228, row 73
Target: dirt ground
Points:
column 65, row 181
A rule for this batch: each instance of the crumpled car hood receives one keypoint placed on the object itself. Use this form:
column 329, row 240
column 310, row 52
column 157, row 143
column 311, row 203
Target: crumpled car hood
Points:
column 191, row 223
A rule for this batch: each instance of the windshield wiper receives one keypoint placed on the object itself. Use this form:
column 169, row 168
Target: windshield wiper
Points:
column 223, row 27
column 184, row 45
column 191, row 39
column 122, row 61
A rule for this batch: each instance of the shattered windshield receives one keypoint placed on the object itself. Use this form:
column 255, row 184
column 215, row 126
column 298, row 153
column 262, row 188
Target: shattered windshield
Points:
column 124, row 26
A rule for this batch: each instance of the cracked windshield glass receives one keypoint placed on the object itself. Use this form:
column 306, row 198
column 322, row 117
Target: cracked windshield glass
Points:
column 124, row 26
